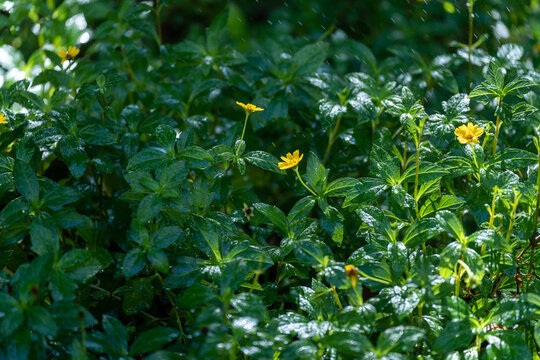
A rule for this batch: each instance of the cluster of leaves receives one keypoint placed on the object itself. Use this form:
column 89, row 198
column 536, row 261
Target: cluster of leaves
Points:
column 137, row 220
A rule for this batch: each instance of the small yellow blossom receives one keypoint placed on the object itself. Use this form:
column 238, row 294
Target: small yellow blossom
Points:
column 249, row 108
column 352, row 274
column 469, row 133
column 248, row 211
column 3, row 119
column 291, row 160
column 71, row 53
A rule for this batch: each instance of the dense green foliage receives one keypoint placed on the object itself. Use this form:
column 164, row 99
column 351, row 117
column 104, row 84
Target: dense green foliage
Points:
column 143, row 214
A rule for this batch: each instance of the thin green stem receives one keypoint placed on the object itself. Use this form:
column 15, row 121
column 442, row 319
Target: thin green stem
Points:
column 158, row 22
column 532, row 239
column 458, row 279
column 417, row 171
column 302, row 181
column 537, row 196
column 336, row 297
column 517, row 196
column 83, row 333
column 256, row 277
column 471, row 29
column 418, row 140
column 477, row 170
column 243, row 132
column 497, row 128
column 173, row 304
column 332, row 139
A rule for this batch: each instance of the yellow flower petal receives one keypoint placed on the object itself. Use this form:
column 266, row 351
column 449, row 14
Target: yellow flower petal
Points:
column 469, row 133
column 290, row 160
column 249, row 108
column 3, row 119
column 73, row 51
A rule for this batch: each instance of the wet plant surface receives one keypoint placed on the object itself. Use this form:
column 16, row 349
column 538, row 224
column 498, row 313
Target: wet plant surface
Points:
column 264, row 180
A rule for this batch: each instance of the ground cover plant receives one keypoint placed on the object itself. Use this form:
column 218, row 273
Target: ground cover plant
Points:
column 264, row 180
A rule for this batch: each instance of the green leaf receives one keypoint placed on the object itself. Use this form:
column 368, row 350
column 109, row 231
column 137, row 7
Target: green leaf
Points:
column 33, row 100
column 421, row 231
column 376, row 219
column 348, row 343
column 26, row 182
column 506, row 344
column 216, row 32
column 340, row 187
column 455, row 336
column 451, row 224
column 384, row 165
column 147, row 159
column 309, row 252
column 13, row 315
column 274, row 215
column 39, row 319
column 263, row 160
column 209, row 237
column 183, row 275
column 442, row 202
column 68, row 315
column 96, row 134
column 301, row 209
column 403, row 300
column 149, row 207
column 495, row 76
column 166, row 136
column 79, row 264
column 196, row 156
column 513, row 311
column 173, row 176
column 134, row 262
column 513, row 158
column 368, row 190
column 44, row 240
column 400, row 338
column 152, row 340
column 518, row 86
column 308, row 59
column 116, row 334
column 138, row 295
column 159, row 260
column 74, row 155
column 316, row 173
column 426, row 172
column 141, row 182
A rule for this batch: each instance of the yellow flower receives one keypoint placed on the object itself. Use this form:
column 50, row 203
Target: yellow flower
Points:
column 249, row 108
column 469, row 133
column 69, row 55
column 3, row 119
column 248, row 211
column 291, row 160
column 352, row 274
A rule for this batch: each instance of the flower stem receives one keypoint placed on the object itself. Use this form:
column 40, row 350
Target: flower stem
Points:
column 474, row 156
column 337, row 297
column 243, row 132
column 302, row 181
